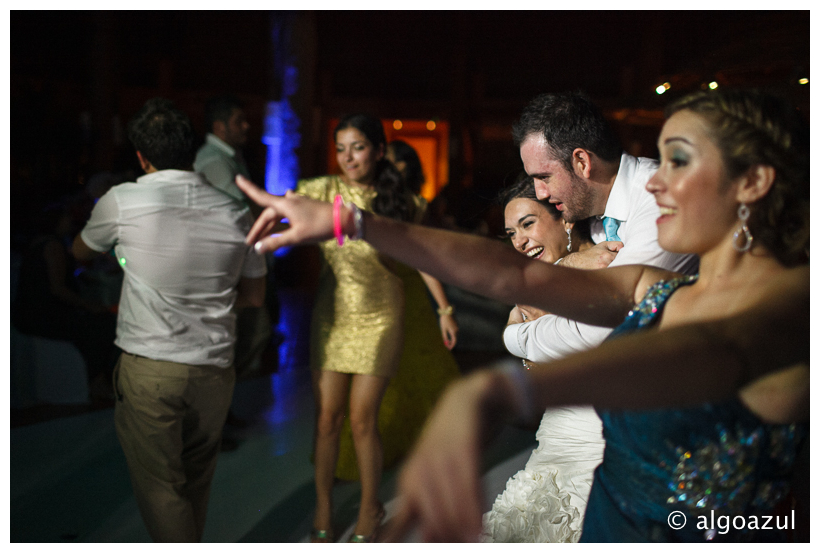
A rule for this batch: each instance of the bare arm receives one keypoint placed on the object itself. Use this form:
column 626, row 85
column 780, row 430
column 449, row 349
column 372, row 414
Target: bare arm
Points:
column 447, row 322
column 477, row 264
column 56, row 260
column 251, row 292
column 684, row 365
column 81, row 251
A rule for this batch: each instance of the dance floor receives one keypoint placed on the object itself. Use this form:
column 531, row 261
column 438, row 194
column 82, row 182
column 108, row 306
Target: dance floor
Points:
column 69, row 482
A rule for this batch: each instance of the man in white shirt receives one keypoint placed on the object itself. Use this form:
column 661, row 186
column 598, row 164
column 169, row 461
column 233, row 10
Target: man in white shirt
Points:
column 181, row 245
column 578, row 165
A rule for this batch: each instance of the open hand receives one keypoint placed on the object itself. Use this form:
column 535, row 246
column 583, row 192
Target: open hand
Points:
column 310, row 220
column 440, row 485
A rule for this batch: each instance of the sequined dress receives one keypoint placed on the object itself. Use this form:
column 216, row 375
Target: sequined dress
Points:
column 357, row 323
column 396, row 334
column 708, row 461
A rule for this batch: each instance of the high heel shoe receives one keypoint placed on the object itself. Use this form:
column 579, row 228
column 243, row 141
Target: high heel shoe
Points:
column 369, row 538
column 321, row 536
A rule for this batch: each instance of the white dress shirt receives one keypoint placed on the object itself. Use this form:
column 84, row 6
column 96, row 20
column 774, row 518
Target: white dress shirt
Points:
column 181, row 245
column 551, row 337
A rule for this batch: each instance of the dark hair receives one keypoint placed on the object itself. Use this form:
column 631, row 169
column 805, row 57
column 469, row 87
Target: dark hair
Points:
column 568, row 120
column 752, row 128
column 163, row 135
column 524, row 187
column 413, row 174
column 393, row 199
column 220, row 109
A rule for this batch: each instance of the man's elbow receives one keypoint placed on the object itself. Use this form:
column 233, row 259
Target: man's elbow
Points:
column 81, row 251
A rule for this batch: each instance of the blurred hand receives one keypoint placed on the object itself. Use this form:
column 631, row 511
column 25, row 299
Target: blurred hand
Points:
column 530, row 313
column 309, row 220
column 449, row 330
column 596, row 257
column 515, row 316
column 440, row 485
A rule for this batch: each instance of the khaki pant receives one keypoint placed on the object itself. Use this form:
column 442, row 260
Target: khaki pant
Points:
column 169, row 420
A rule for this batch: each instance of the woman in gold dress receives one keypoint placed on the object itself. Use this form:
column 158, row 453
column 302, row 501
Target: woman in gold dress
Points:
column 357, row 330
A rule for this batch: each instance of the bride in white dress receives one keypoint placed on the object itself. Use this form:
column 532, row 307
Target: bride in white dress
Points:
column 545, row 502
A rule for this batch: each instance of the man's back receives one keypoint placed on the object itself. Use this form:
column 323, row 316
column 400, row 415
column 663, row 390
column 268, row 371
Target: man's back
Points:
column 181, row 245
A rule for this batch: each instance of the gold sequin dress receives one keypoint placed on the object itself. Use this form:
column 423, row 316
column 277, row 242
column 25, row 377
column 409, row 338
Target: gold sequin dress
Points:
column 423, row 366
column 357, row 324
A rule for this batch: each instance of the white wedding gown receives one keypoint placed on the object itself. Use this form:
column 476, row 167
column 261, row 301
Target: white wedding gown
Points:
column 545, row 502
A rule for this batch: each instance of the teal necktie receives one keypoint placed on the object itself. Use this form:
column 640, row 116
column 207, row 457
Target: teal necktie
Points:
column 611, row 228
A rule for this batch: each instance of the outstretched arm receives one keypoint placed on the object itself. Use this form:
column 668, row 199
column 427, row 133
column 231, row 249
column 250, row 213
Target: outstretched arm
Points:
column 477, row 264
column 440, row 485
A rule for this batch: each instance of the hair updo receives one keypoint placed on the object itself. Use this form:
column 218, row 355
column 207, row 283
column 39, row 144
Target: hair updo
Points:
column 393, row 199
column 752, row 128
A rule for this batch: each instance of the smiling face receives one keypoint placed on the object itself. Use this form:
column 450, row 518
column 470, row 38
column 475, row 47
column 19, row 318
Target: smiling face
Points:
column 696, row 198
column 534, row 231
column 357, row 156
column 570, row 194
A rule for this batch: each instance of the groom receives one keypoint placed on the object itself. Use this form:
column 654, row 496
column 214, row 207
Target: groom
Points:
column 578, row 165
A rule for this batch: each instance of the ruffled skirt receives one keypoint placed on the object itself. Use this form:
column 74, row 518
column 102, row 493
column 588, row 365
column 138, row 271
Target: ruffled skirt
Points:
column 545, row 502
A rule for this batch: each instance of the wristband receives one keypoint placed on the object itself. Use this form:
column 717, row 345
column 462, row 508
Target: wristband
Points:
column 445, row 310
column 357, row 222
column 337, row 220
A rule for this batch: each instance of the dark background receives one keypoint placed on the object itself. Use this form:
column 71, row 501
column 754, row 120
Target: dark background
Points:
column 77, row 77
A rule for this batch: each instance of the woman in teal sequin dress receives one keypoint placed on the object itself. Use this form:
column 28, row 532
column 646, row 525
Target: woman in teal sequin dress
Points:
column 710, row 462
column 704, row 389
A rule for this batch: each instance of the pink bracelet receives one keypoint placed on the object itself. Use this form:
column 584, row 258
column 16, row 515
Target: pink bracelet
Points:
column 337, row 220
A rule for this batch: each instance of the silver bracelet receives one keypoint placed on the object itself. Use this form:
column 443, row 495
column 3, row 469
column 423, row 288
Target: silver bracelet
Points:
column 357, row 222
column 522, row 389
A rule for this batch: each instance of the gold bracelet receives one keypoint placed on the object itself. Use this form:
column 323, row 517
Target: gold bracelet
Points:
column 445, row 310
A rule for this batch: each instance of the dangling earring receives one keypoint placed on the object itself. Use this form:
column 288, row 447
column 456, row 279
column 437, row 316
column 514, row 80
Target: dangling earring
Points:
column 569, row 239
column 743, row 215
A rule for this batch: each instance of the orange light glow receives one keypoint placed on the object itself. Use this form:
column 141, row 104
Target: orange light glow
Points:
column 397, row 124
column 431, row 125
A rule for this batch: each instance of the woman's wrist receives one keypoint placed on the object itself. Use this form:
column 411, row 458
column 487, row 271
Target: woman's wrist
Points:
column 512, row 391
column 352, row 218
column 446, row 310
